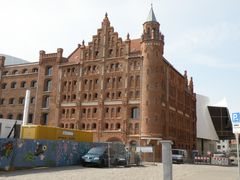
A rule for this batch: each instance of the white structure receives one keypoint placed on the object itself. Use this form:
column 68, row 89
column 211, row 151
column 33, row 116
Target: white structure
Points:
column 207, row 137
column 223, row 146
column 6, row 125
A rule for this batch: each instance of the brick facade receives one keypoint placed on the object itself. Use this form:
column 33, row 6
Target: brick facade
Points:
column 122, row 90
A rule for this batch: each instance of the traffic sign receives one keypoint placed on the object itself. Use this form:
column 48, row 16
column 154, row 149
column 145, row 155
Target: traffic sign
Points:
column 236, row 122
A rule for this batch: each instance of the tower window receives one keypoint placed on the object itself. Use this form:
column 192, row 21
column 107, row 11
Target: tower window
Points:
column 135, row 113
column 48, row 70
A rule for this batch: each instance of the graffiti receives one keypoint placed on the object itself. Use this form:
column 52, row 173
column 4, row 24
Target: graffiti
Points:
column 29, row 157
column 21, row 153
column 6, row 149
column 40, row 149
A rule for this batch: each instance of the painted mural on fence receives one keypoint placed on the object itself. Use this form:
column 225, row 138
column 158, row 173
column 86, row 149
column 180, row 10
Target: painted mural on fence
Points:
column 19, row 153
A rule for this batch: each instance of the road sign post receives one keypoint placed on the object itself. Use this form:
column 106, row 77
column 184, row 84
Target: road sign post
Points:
column 236, row 131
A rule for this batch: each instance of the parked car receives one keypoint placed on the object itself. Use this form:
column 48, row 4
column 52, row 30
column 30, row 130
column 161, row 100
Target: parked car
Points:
column 179, row 155
column 102, row 156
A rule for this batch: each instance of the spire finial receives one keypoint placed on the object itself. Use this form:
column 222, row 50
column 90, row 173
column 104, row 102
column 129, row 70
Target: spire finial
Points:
column 106, row 15
column 151, row 15
column 83, row 43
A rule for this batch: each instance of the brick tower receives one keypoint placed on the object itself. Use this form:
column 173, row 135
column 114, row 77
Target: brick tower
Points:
column 152, row 45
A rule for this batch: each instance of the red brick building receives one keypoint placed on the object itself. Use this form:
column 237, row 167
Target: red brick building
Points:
column 123, row 90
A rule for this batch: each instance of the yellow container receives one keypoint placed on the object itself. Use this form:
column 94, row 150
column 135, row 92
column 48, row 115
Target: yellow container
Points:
column 54, row 133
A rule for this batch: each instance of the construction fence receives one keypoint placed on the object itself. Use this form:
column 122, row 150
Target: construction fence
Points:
column 23, row 153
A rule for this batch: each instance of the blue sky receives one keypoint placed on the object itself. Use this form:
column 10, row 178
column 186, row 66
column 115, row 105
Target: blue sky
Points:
column 202, row 37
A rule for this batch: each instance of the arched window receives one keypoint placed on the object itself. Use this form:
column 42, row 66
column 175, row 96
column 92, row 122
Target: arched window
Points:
column 131, row 81
column 94, row 126
column 106, row 126
column 47, row 85
column 46, row 100
column 135, row 113
column 88, row 126
column 33, row 83
column 32, row 100
column 10, row 116
column 61, row 125
column 21, row 100
column 15, row 72
column 23, row 84
column 13, row 85
column 44, row 119
column 71, row 125
column 2, row 101
column 35, row 70
column 20, row 116
column 30, row 118
column 4, row 85
column 48, row 70
column 83, row 126
column 118, row 126
column 12, row 101
column 5, row 73
column 24, row 71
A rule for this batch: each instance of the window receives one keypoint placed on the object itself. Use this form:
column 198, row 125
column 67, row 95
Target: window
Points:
column 106, row 125
column 35, row 70
column 61, row 125
column 73, row 111
column 30, row 118
column 21, row 100
column 83, row 126
column 94, row 126
column 23, row 84
column 48, row 84
column 4, row 86
column 12, row 101
column 1, row 116
column 74, row 97
column 136, row 126
column 44, row 119
column 135, row 113
column 118, row 126
column 46, row 100
column 33, row 84
column 95, row 110
column 24, row 71
column 32, row 100
column 10, row 116
column 49, row 70
column 5, row 73
column 71, row 125
column 2, row 101
column 20, row 117
column 15, row 72
column 13, row 85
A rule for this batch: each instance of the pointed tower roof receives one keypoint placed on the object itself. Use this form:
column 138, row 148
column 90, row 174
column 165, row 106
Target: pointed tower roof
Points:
column 151, row 16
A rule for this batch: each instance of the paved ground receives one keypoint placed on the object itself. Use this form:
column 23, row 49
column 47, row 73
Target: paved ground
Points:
column 150, row 172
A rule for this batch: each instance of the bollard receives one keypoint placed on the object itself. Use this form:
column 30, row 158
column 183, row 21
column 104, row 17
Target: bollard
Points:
column 167, row 159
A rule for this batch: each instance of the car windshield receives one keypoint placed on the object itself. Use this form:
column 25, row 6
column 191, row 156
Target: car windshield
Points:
column 177, row 152
column 97, row 150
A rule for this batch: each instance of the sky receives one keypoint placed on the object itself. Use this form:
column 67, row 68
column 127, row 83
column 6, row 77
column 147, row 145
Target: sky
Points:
column 202, row 37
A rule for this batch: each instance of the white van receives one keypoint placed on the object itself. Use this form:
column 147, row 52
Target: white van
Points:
column 179, row 155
